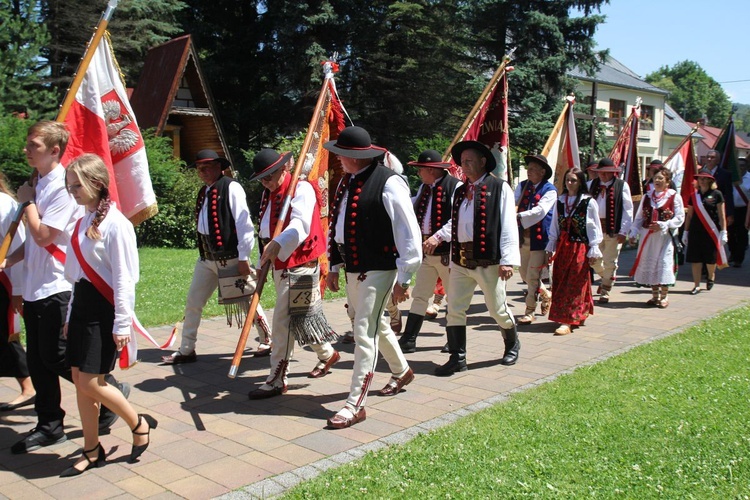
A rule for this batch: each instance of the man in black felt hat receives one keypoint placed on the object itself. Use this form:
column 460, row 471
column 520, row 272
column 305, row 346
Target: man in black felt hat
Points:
column 374, row 235
column 484, row 249
column 535, row 198
column 612, row 194
column 293, row 254
column 225, row 239
column 432, row 205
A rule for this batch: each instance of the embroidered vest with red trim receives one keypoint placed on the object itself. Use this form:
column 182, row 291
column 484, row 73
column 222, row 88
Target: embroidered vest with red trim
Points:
column 530, row 197
column 487, row 220
column 665, row 212
column 613, row 212
column 369, row 243
column 313, row 246
column 575, row 223
column 222, row 232
column 440, row 209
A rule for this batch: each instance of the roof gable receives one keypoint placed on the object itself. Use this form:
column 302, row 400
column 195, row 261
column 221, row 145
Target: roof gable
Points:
column 613, row 72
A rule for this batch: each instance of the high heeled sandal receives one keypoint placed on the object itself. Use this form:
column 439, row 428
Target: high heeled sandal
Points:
column 709, row 284
column 101, row 457
column 138, row 449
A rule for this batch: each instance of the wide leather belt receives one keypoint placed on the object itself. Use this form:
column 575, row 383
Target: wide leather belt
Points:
column 207, row 254
column 466, row 257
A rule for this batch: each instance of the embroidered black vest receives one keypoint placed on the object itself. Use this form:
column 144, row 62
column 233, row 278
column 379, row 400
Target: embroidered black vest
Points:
column 613, row 212
column 487, row 227
column 440, row 209
column 664, row 213
column 222, row 233
column 576, row 225
column 368, row 238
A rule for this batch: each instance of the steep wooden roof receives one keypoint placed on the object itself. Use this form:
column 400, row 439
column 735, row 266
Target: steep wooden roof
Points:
column 172, row 91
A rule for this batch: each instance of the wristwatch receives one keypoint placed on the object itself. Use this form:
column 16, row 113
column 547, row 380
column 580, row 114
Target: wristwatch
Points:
column 405, row 285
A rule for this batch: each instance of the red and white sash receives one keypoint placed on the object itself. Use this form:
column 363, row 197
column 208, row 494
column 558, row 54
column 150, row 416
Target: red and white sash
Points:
column 713, row 231
column 129, row 355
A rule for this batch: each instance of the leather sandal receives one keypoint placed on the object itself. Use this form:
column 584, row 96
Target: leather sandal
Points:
column 261, row 393
column 97, row 462
column 339, row 421
column 322, row 371
column 263, row 350
column 395, row 385
column 563, row 330
column 177, row 358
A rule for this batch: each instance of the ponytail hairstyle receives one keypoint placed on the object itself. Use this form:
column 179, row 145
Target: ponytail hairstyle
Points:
column 94, row 178
column 4, row 187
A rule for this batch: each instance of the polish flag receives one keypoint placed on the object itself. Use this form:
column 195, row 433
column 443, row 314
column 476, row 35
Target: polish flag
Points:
column 101, row 121
column 683, row 166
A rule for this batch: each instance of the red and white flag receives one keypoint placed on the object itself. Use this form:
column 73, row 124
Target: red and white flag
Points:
column 561, row 148
column 625, row 153
column 101, row 121
column 684, row 166
column 490, row 127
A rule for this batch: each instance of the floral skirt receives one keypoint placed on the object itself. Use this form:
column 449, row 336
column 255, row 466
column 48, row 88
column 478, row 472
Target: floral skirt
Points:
column 572, row 301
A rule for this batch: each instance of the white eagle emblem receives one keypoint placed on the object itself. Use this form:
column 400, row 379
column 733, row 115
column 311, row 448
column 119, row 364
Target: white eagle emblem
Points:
column 121, row 140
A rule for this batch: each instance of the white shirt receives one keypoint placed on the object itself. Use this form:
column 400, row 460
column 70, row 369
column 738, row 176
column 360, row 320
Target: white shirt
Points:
column 509, row 249
column 627, row 206
column 241, row 215
column 664, row 226
column 535, row 214
column 444, row 233
column 300, row 222
column 114, row 258
column 745, row 187
column 8, row 208
column 593, row 227
column 57, row 210
column 406, row 233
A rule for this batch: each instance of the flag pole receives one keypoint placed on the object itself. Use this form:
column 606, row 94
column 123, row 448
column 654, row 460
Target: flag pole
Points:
column 682, row 143
column 286, row 204
column 86, row 60
column 478, row 105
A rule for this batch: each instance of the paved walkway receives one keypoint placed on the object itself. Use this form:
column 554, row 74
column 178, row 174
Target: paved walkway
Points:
column 212, row 440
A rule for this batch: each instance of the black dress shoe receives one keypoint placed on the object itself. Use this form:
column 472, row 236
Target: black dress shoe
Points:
column 446, row 348
column 15, row 406
column 138, row 449
column 36, row 439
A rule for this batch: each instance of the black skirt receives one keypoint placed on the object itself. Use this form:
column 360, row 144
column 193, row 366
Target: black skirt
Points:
column 91, row 347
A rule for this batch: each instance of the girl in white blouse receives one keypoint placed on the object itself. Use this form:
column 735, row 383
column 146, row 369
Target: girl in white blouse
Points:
column 103, row 265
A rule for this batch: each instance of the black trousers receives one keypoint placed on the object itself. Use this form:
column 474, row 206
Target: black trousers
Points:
column 45, row 352
column 738, row 237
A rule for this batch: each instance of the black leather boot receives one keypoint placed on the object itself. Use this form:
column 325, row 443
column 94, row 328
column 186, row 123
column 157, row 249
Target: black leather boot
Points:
column 408, row 340
column 457, row 345
column 512, row 346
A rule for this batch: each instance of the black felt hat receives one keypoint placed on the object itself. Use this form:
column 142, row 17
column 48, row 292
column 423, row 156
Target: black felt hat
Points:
column 430, row 158
column 607, row 165
column 541, row 160
column 478, row 146
column 207, row 155
column 354, row 142
column 268, row 161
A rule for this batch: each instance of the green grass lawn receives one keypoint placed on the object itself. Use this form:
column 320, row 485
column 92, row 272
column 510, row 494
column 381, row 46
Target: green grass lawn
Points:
column 165, row 279
column 668, row 419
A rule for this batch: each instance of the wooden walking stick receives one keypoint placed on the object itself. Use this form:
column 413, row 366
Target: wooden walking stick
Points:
column 263, row 273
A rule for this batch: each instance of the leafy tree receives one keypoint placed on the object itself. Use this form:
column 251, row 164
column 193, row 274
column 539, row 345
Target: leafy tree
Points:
column 548, row 42
column 22, row 73
column 13, row 131
column 742, row 117
column 692, row 92
column 136, row 26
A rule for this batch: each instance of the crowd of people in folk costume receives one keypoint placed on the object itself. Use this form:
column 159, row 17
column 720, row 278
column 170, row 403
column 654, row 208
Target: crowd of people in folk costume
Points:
column 73, row 265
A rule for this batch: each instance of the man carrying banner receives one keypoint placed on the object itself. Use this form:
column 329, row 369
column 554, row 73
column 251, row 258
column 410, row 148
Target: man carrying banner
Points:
column 294, row 253
column 225, row 239
column 432, row 205
column 535, row 198
column 484, row 249
column 373, row 234
column 616, row 212
column 46, row 293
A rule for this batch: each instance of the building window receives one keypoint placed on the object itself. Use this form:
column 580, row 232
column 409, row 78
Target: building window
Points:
column 647, row 118
column 617, row 114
